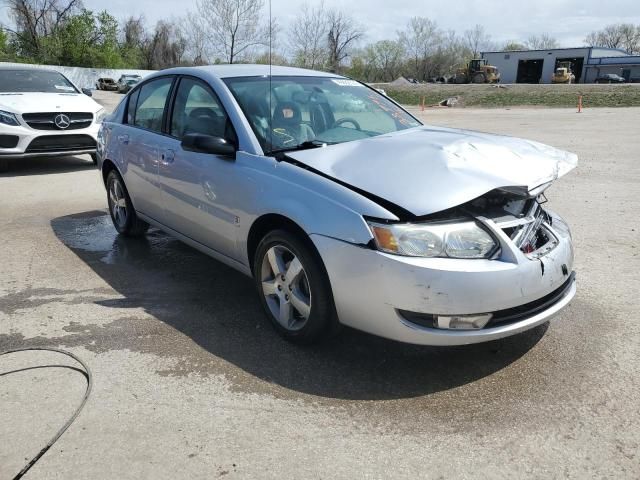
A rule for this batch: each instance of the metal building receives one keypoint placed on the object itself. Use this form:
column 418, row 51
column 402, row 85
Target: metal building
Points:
column 588, row 63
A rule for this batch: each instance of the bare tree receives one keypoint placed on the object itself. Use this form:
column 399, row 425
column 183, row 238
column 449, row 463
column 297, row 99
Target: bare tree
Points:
column 37, row 19
column 421, row 40
column 165, row 47
column 133, row 32
column 195, row 32
column 477, row 40
column 308, row 37
column 623, row 35
column 343, row 34
column 233, row 27
column 541, row 42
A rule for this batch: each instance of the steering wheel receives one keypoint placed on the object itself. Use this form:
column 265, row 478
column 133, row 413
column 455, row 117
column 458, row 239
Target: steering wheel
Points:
column 202, row 113
column 355, row 123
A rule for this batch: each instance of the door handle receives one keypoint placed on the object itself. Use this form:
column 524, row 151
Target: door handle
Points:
column 168, row 156
column 123, row 139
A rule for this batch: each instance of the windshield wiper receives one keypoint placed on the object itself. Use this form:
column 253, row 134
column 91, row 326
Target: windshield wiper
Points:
column 307, row 145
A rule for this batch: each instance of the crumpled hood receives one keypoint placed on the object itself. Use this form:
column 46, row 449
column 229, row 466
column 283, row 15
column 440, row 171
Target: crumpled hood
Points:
column 34, row 102
column 429, row 169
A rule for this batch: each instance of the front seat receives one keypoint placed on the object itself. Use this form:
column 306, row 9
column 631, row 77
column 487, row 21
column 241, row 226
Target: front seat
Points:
column 288, row 128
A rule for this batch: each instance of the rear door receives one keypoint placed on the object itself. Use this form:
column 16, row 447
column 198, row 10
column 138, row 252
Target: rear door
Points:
column 198, row 190
column 140, row 143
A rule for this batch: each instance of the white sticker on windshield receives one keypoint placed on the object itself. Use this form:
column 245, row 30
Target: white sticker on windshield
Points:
column 346, row 83
column 66, row 88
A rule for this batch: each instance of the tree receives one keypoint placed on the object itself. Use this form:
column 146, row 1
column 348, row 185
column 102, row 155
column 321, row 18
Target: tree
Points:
column 420, row 40
column 233, row 27
column 513, row 46
column 624, row 36
column 384, row 60
column 37, row 22
column 4, row 39
column 343, row 34
column 165, row 47
column 88, row 40
column 133, row 36
column 308, row 37
column 541, row 42
column 478, row 40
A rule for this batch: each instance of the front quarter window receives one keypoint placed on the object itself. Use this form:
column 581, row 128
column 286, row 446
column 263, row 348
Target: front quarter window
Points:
column 290, row 111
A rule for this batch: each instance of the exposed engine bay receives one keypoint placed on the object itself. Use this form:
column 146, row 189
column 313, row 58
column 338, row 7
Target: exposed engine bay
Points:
column 521, row 218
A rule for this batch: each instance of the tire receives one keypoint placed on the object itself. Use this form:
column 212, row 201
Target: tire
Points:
column 478, row 78
column 310, row 287
column 121, row 209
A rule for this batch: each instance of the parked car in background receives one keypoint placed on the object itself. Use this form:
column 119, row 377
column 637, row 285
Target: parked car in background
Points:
column 126, row 83
column 43, row 114
column 610, row 78
column 422, row 234
column 106, row 84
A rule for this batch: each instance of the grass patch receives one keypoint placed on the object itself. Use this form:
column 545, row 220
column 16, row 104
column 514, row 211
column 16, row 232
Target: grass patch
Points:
column 519, row 95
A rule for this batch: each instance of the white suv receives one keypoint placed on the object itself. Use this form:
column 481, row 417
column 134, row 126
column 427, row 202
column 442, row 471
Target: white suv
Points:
column 43, row 114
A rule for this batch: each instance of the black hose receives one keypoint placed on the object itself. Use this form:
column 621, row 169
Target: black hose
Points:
column 86, row 372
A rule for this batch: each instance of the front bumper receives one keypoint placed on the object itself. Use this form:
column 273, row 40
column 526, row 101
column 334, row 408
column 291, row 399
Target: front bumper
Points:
column 372, row 288
column 33, row 143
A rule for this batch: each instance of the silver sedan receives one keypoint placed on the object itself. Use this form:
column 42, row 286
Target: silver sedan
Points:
column 343, row 207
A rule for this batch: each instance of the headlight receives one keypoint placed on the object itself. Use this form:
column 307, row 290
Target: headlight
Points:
column 453, row 240
column 100, row 115
column 8, row 118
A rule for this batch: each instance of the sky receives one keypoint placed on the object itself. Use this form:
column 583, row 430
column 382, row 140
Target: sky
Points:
column 569, row 21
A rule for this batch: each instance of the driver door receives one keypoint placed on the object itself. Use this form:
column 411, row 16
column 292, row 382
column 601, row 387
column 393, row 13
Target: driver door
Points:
column 198, row 189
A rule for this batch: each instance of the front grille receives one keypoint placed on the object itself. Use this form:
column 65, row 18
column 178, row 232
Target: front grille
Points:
column 61, row 143
column 522, row 312
column 9, row 141
column 45, row 120
column 531, row 233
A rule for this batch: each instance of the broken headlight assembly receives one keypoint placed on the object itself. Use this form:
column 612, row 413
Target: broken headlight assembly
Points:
column 465, row 239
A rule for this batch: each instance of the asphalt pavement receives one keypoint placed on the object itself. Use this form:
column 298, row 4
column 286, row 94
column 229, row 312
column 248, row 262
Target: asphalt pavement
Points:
column 190, row 381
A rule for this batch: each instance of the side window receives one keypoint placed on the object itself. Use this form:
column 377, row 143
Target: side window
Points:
column 198, row 110
column 151, row 103
column 131, row 107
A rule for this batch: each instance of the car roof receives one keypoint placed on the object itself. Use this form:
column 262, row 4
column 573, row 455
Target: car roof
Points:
column 249, row 70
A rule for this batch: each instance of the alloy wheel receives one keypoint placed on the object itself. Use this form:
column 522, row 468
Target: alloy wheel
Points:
column 118, row 203
column 285, row 287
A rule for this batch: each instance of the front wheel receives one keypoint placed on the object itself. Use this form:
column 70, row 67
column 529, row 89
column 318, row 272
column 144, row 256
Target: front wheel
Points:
column 123, row 215
column 294, row 288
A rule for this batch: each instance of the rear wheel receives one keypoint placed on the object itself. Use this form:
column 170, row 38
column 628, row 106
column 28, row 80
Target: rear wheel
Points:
column 121, row 209
column 294, row 288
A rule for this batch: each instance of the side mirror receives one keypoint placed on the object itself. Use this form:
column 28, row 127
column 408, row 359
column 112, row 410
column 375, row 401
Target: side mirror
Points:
column 198, row 142
column 87, row 92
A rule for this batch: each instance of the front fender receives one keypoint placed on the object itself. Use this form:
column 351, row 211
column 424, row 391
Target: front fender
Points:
column 315, row 203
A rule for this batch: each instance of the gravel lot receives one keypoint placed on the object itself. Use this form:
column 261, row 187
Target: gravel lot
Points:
column 191, row 382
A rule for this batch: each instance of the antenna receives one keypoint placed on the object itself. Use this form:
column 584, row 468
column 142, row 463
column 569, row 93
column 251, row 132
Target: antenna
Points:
column 270, row 77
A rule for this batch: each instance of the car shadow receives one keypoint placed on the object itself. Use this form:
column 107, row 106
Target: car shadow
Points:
column 45, row 165
column 218, row 310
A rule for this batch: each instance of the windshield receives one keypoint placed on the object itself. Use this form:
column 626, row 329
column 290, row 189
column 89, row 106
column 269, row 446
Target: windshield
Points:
column 315, row 109
column 34, row 81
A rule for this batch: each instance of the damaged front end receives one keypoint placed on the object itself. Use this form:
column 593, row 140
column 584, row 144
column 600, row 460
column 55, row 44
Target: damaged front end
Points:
column 522, row 218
